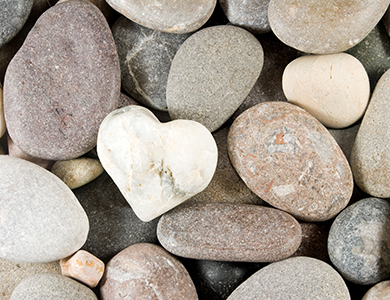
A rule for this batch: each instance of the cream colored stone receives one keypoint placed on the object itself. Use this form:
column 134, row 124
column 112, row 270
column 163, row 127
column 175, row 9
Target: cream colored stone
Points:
column 77, row 172
column 334, row 88
column 2, row 120
column 155, row 165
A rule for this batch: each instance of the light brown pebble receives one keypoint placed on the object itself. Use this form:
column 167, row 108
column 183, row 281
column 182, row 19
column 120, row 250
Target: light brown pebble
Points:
column 380, row 291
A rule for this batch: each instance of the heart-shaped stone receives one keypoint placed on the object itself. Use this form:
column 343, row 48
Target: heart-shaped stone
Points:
column 155, row 165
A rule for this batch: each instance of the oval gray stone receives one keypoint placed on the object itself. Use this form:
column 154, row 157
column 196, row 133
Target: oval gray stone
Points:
column 359, row 243
column 229, row 232
column 293, row 278
column 62, row 82
column 54, row 224
column 212, row 73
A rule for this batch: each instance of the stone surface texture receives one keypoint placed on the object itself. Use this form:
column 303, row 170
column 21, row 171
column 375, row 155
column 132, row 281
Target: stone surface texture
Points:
column 212, row 73
column 358, row 242
column 334, row 88
column 155, row 165
column 290, row 160
column 293, row 278
column 146, row 271
column 324, row 27
column 54, row 223
column 380, row 291
column 229, row 232
column 51, row 82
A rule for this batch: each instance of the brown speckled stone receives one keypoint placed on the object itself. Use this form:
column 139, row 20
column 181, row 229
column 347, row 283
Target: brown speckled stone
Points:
column 380, row 291
column 290, row 160
column 229, row 232
column 146, row 271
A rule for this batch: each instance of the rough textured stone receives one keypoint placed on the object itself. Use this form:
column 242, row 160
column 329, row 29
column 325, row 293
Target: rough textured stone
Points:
column 293, row 278
column 52, row 78
column 51, row 286
column 146, row 271
column 54, row 223
column 380, row 291
column 289, row 159
column 345, row 138
column 2, row 121
column 334, row 88
column 212, row 73
column 358, row 243
column 163, row 164
column 229, row 232
column 324, row 27
column 145, row 56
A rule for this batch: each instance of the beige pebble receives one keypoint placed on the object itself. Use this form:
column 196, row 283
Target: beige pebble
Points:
column 2, row 121
column 77, row 172
column 380, row 291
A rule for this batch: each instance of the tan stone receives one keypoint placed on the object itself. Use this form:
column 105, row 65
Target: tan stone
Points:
column 380, row 291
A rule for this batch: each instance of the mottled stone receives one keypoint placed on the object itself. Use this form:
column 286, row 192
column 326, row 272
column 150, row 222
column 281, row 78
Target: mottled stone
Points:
column 359, row 243
column 251, row 15
column 324, row 27
column 2, row 121
column 212, row 73
column 51, row 286
column 290, row 160
column 164, row 164
column 54, row 223
column 229, row 232
column 345, row 138
column 53, row 78
column 146, row 271
column 380, row 291
column 293, row 278
column 145, row 56
column 334, row 88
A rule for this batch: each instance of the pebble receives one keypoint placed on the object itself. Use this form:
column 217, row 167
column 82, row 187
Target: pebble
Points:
column 77, row 172
column 324, row 27
column 358, row 242
column 380, row 291
column 240, row 232
column 294, row 278
column 212, row 73
column 54, row 223
column 51, row 286
column 146, row 271
column 145, row 56
column 52, row 78
column 2, row 121
column 369, row 154
column 164, row 164
column 290, row 160
column 125, row 100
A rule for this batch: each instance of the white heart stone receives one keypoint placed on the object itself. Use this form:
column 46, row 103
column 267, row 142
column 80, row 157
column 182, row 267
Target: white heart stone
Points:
column 155, row 165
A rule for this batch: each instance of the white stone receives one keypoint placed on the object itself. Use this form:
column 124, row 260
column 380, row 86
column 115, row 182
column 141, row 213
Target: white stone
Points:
column 155, row 165
column 2, row 120
column 334, row 88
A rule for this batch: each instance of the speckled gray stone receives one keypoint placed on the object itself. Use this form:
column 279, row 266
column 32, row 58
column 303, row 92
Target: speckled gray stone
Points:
column 293, row 278
column 358, row 242
column 212, row 73
column 145, row 56
column 380, row 291
column 51, row 286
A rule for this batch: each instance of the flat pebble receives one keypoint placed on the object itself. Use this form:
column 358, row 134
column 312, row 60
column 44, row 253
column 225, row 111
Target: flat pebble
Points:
column 324, row 27
column 146, row 271
column 212, row 73
column 290, row 160
column 380, row 291
column 229, row 232
column 358, row 242
column 53, row 78
column 2, row 121
column 293, row 278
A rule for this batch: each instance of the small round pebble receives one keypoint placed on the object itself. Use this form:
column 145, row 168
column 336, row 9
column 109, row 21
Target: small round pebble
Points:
column 380, row 291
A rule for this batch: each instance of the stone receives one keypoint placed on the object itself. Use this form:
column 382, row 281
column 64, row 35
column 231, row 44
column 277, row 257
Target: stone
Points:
column 334, row 88
column 293, row 278
column 51, row 286
column 146, row 271
column 345, row 138
column 52, row 78
column 212, row 73
column 155, row 165
column 290, row 160
column 358, row 242
column 370, row 154
column 2, row 121
column 324, row 27
column 229, row 232
column 54, row 223
column 84, row 267
column 103, row 6
column 77, row 172
column 380, row 291
column 179, row 17
column 145, row 56
column 251, row 15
